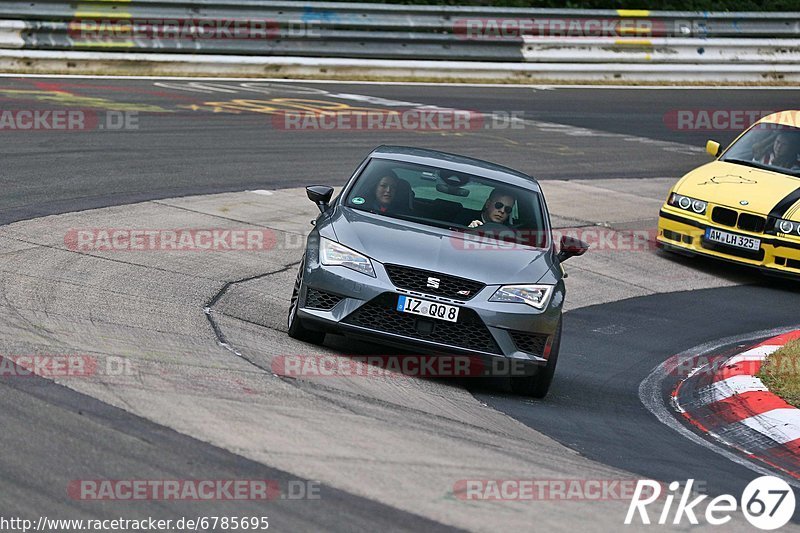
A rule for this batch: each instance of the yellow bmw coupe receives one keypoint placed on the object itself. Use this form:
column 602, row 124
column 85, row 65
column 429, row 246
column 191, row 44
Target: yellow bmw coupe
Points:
column 745, row 205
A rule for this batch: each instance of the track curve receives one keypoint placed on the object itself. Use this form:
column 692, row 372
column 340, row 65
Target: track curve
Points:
column 608, row 349
column 594, row 406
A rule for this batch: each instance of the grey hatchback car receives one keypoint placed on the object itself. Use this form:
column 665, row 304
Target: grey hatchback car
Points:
column 441, row 254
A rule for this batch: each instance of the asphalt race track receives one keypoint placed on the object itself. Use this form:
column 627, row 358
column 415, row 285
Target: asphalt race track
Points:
column 187, row 144
column 148, row 142
column 50, row 429
column 591, row 408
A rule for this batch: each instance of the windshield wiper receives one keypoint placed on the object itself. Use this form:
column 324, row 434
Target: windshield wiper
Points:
column 762, row 166
column 420, row 220
column 748, row 163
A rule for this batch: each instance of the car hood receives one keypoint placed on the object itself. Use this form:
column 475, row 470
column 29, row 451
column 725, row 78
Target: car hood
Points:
column 730, row 184
column 400, row 242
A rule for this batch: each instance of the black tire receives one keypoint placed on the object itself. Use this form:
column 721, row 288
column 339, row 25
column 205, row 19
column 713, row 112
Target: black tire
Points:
column 296, row 328
column 538, row 384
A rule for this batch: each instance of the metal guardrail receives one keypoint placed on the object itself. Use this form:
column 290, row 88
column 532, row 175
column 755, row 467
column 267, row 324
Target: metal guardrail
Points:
column 402, row 17
column 381, row 31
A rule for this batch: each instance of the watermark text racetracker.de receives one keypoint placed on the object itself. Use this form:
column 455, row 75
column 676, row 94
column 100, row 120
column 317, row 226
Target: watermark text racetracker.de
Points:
column 631, row 24
column 199, row 490
column 767, row 502
column 415, row 119
column 494, row 28
column 121, row 239
column 398, row 366
column 172, row 240
column 709, row 120
column 546, row 489
column 597, row 237
column 67, row 120
column 63, row 366
column 716, row 364
column 194, row 29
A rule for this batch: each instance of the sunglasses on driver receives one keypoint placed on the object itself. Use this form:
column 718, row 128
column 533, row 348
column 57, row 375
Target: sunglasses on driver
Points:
column 506, row 208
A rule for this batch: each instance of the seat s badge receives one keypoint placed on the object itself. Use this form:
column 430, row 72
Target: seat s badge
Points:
column 433, row 283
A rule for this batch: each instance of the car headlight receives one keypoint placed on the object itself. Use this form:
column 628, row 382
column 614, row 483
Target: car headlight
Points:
column 533, row 295
column 787, row 226
column 334, row 254
column 687, row 204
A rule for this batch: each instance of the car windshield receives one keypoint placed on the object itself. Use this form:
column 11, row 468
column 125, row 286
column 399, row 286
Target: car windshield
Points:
column 454, row 200
column 769, row 146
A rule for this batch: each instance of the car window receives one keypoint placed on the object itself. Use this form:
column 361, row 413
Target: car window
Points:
column 447, row 199
column 423, row 184
column 770, row 146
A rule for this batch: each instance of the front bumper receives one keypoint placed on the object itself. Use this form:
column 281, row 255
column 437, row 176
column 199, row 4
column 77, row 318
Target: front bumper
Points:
column 363, row 306
column 680, row 233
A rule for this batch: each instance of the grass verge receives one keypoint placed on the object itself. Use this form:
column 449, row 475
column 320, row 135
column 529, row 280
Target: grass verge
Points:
column 781, row 372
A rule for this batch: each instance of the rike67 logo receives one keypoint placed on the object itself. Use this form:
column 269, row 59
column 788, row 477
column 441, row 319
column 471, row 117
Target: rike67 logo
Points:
column 767, row 503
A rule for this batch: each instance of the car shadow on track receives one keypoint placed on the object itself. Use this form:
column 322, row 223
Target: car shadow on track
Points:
column 358, row 348
column 733, row 272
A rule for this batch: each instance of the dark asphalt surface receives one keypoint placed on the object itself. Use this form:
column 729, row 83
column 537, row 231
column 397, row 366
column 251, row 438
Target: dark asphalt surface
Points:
column 197, row 138
column 52, row 436
column 593, row 406
column 628, row 111
column 193, row 144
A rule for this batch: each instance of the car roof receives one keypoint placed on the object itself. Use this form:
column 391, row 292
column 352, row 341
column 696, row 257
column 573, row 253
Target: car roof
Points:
column 458, row 163
column 789, row 117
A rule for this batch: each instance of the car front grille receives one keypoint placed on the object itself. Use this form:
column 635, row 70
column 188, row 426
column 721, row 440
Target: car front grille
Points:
column 724, row 216
column 734, row 219
column 413, row 279
column 381, row 314
column 532, row 343
column 325, row 301
column 752, row 223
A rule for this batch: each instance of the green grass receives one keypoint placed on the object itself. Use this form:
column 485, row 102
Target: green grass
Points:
column 781, row 372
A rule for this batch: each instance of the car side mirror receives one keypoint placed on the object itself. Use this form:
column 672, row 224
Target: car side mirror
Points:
column 712, row 147
column 320, row 195
column 571, row 247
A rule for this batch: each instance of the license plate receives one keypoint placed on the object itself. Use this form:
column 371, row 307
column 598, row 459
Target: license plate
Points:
column 419, row 307
column 731, row 239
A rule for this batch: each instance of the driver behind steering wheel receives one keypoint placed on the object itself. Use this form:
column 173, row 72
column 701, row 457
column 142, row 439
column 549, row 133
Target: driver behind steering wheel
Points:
column 496, row 209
